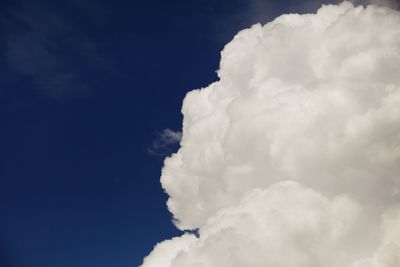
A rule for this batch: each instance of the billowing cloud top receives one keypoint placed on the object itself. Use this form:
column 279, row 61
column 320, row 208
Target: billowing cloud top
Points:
column 292, row 159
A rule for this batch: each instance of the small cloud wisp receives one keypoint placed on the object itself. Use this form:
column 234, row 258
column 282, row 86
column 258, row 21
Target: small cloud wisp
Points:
column 162, row 144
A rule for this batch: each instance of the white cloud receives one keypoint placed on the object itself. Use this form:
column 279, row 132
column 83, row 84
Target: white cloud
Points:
column 293, row 157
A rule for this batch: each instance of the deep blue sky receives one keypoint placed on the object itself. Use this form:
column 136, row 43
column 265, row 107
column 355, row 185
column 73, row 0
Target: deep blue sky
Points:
column 84, row 88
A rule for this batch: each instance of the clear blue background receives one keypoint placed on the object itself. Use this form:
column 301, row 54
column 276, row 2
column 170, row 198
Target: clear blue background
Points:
column 84, row 88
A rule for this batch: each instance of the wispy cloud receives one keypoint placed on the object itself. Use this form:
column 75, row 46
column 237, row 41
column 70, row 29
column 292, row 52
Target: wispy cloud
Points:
column 164, row 141
column 388, row 3
column 48, row 48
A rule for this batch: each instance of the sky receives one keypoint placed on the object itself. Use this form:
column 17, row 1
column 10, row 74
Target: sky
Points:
column 91, row 95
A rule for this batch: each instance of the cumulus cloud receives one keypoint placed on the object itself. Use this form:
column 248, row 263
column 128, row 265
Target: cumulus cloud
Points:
column 292, row 158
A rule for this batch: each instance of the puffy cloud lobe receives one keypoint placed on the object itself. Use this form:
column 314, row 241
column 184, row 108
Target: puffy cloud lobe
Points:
column 267, row 224
column 312, row 99
column 167, row 251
